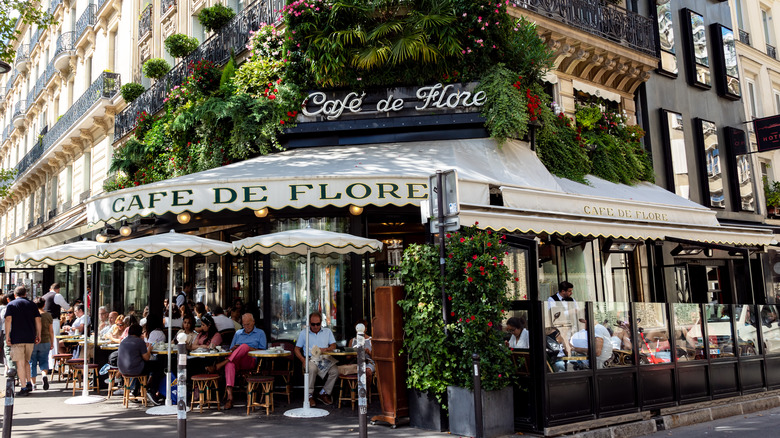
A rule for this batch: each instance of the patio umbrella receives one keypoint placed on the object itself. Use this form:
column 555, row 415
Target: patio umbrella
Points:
column 166, row 245
column 74, row 253
column 307, row 241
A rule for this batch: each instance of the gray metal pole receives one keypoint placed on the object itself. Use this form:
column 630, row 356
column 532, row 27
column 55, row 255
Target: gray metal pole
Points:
column 477, row 397
column 181, row 392
column 8, row 414
column 442, row 247
column 362, row 402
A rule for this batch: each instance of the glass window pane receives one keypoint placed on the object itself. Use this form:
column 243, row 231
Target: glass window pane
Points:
column 729, row 52
column 719, row 330
column 652, row 333
column 517, row 337
column 770, row 328
column 616, row 276
column 548, row 270
column 745, row 177
column 676, row 140
column 747, row 330
column 136, row 286
column 580, row 271
column 615, row 319
column 517, row 262
column 701, row 57
column 564, row 322
column 709, row 138
column 688, row 332
column 666, row 37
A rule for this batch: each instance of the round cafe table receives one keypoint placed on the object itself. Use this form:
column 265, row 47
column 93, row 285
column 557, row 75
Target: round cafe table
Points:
column 109, row 347
column 210, row 354
column 263, row 354
column 340, row 353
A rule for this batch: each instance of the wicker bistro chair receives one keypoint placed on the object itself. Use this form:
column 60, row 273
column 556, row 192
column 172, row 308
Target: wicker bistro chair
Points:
column 59, row 364
column 206, row 383
column 128, row 389
column 262, row 386
column 113, row 375
column 282, row 368
column 351, row 381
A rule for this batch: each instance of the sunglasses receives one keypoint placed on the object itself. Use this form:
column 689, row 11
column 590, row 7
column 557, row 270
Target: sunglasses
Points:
column 316, row 324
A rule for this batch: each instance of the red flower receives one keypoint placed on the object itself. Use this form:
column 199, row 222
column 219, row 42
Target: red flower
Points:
column 489, row 244
column 468, row 264
column 470, row 279
column 452, row 313
column 462, row 240
column 474, row 257
column 490, row 324
column 449, row 298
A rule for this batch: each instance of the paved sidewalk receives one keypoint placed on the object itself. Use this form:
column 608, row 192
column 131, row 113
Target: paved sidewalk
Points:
column 44, row 414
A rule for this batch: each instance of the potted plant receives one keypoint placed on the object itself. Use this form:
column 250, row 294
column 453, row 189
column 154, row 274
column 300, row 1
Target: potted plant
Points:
column 180, row 45
column 215, row 17
column 156, row 68
column 772, row 195
column 477, row 280
column 427, row 351
column 131, row 91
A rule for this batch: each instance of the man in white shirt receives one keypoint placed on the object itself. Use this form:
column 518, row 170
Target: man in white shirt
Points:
column 79, row 324
column 323, row 339
column 221, row 321
column 564, row 312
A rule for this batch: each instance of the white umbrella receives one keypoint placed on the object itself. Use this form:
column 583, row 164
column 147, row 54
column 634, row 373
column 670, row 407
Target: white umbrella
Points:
column 307, row 241
column 166, row 245
column 85, row 252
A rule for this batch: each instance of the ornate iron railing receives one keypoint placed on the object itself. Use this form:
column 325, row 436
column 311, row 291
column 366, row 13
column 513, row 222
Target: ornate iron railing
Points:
column 53, row 5
column 43, row 79
column 744, row 37
column 66, row 41
column 30, row 99
column 599, row 18
column 20, row 108
column 165, row 5
column 100, row 4
column 233, row 37
column 2, row 94
column 145, row 25
column 106, row 86
column 88, row 18
column 7, row 132
column 10, row 84
column 22, row 53
column 35, row 37
column 771, row 51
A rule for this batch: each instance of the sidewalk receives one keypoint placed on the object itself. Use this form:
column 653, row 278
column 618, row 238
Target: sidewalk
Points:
column 44, row 414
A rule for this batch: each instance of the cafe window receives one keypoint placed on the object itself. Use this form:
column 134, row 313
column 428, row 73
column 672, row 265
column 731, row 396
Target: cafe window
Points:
column 677, row 166
column 708, row 144
column 668, row 62
column 517, row 262
column 328, row 281
column 136, row 285
column 770, row 328
column 572, row 259
column 725, row 57
column 748, row 321
column 689, row 343
column 617, row 276
column 566, row 339
column 652, row 335
column 615, row 320
column 698, row 57
column 69, row 278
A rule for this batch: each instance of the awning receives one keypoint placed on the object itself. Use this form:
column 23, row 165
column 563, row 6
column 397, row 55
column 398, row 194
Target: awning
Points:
column 68, row 225
column 595, row 91
column 534, row 201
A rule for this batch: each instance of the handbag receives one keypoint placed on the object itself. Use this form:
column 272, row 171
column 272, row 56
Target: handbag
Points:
column 348, row 369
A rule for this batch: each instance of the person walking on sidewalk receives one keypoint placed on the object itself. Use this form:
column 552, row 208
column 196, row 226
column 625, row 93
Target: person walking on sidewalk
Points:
column 22, row 332
column 40, row 354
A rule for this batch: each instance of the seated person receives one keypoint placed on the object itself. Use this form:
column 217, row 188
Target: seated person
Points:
column 153, row 330
column 370, row 365
column 134, row 359
column 516, row 326
column 555, row 350
column 77, row 327
column 187, row 325
column 209, row 337
column 247, row 339
column 222, row 321
column 176, row 318
column 603, row 341
column 323, row 339
column 114, row 335
column 109, row 325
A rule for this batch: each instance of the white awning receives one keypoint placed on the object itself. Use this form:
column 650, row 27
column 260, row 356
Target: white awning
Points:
column 397, row 174
column 593, row 90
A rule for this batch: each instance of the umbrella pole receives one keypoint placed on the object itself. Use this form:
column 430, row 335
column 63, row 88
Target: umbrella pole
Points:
column 307, row 352
column 85, row 390
column 170, row 336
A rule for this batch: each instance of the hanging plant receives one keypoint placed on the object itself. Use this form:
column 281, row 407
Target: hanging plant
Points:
column 215, row 17
column 156, row 68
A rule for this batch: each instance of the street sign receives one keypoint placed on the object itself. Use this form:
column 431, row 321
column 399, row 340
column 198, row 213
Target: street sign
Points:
column 449, row 192
column 450, row 224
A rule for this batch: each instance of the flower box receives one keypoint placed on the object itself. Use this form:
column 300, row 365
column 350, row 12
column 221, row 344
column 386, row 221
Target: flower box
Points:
column 498, row 412
column 425, row 412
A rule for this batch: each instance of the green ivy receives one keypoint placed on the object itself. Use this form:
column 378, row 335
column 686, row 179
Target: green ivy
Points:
column 504, row 109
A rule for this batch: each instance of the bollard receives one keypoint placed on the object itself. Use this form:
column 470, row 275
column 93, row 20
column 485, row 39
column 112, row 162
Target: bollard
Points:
column 181, row 391
column 361, row 360
column 8, row 415
column 477, row 397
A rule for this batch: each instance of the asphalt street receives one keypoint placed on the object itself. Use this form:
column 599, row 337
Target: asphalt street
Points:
column 764, row 424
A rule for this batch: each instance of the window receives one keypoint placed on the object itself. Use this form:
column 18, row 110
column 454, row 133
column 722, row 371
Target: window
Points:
column 708, row 143
column 740, row 19
column 766, row 17
column 725, row 57
column 698, row 57
column 752, row 103
column 678, row 163
column 777, row 101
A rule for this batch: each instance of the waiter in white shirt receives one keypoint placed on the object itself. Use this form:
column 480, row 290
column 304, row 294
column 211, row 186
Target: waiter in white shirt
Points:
column 55, row 304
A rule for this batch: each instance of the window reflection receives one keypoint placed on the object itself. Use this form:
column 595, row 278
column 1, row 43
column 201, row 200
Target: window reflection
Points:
column 136, row 286
column 566, row 341
column 688, row 332
column 709, row 139
column 517, row 262
column 676, row 139
column 517, row 338
column 652, row 333
column 701, row 57
column 747, row 330
column 730, row 61
column 615, row 320
column 666, row 37
column 616, row 271
column 770, row 328
column 745, row 178
column 719, row 330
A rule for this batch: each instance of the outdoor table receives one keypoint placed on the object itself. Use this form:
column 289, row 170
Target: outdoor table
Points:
column 340, row 353
column 109, row 347
column 262, row 354
column 210, row 354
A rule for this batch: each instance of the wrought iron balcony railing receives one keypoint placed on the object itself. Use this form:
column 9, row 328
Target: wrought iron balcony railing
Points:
column 2, row 94
column 771, row 51
column 66, row 41
column 53, row 5
column 88, row 19
column 7, row 132
column 100, row 4
column 233, row 37
column 105, row 87
column 744, row 37
column 165, row 5
column 145, row 24
column 35, row 37
column 20, row 108
column 599, row 18
column 22, row 53
column 10, row 84
column 43, row 79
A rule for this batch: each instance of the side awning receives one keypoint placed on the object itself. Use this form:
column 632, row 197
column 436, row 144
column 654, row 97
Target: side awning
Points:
column 67, row 226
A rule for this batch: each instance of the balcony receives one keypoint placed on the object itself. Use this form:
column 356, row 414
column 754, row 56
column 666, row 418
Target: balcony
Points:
column 2, row 94
column 771, row 51
column 166, row 5
column 105, row 87
column 744, row 37
column 7, row 133
column 10, row 84
column 66, row 49
column 233, row 37
column 145, row 24
column 598, row 18
column 87, row 20
column 22, row 60
column 54, row 5
column 35, row 37
column 20, row 109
